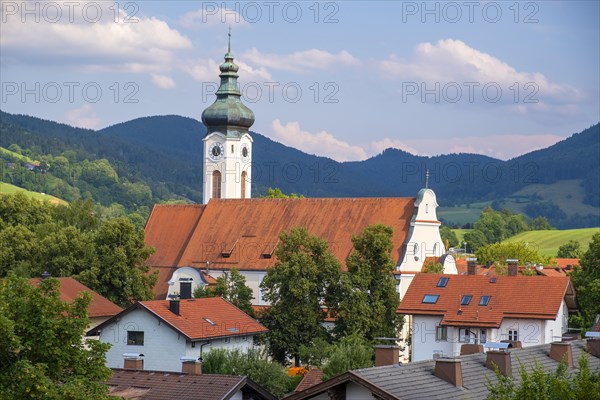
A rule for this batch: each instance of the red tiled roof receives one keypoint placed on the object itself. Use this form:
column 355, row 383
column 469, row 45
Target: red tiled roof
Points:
column 312, row 378
column 565, row 262
column 195, row 317
column 70, row 289
column 531, row 297
column 186, row 235
column 168, row 229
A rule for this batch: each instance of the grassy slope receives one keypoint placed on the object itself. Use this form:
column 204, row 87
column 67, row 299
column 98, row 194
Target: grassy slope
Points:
column 17, row 155
column 462, row 214
column 548, row 242
column 7, row 188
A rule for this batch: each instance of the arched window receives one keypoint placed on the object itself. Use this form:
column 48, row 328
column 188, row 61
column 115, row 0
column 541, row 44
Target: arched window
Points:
column 244, row 184
column 216, row 185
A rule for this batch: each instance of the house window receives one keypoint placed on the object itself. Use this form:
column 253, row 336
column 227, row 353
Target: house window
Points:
column 465, row 300
column 484, row 301
column 513, row 335
column 442, row 282
column 483, row 336
column 464, row 335
column 441, row 333
column 430, row 298
column 135, row 338
column 216, row 185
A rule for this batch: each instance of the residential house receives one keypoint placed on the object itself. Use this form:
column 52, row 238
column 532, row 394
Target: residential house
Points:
column 100, row 308
column 159, row 385
column 451, row 310
column 464, row 377
column 159, row 334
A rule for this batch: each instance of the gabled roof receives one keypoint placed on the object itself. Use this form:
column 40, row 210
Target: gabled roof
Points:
column 313, row 377
column 158, row 385
column 70, row 289
column 198, row 319
column 243, row 233
column 416, row 380
column 531, row 297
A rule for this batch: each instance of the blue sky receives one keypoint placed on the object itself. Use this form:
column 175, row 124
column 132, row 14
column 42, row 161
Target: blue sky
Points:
column 339, row 79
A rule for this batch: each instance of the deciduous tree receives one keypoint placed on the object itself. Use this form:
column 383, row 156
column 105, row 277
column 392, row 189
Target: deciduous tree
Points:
column 368, row 306
column 303, row 282
column 42, row 354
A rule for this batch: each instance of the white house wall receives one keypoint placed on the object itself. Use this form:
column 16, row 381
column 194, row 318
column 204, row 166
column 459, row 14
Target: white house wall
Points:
column 253, row 280
column 162, row 349
column 357, row 392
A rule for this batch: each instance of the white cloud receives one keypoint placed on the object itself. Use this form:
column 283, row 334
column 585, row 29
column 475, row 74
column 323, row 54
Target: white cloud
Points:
column 301, row 61
column 379, row 145
column 449, row 61
column 83, row 117
column 212, row 15
column 207, row 70
column 115, row 42
column 320, row 143
column 163, row 81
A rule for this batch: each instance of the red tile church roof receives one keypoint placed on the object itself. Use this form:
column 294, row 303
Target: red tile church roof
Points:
column 243, row 233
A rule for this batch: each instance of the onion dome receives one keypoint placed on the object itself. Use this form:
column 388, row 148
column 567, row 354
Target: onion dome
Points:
column 228, row 114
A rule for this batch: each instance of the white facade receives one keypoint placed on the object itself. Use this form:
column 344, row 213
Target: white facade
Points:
column 428, row 342
column 228, row 158
column 162, row 346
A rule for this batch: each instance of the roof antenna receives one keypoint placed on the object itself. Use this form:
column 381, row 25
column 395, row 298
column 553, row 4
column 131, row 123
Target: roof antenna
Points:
column 427, row 179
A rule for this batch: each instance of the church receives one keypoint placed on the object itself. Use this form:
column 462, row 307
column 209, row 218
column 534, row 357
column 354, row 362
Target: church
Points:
column 197, row 243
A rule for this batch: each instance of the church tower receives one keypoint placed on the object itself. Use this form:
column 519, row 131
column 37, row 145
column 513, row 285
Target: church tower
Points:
column 227, row 144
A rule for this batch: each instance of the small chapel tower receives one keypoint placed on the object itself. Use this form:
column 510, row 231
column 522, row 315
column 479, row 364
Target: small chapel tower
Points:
column 227, row 145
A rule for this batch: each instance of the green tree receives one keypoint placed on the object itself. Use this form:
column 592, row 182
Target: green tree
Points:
column 42, row 352
column 254, row 364
column 432, row 267
column 368, row 305
column 540, row 224
column 278, row 194
column 448, row 236
column 492, row 224
column 120, row 273
column 586, row 280
column 232, row 287
column 571, row 249
column 540, row 384
column 500, row 252
column 300, row 285
column 352, row 352
column 475, row 239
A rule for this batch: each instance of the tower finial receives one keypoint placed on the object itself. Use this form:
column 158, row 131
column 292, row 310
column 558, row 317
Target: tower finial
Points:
column 229, row 41
column 427, row 179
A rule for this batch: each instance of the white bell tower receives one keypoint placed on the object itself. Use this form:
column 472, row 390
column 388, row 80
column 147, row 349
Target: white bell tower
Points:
column 227, row 145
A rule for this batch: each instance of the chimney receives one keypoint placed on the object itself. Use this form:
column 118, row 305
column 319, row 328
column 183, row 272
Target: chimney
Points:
column 191, row 366
column 449, row 369
column 562, row 352
column 174, row 306
column 499, row 359
column 513, row 266
column 593, row 347
column 185, row 288
column 386, row 355
column 471, row 266
column 470, row 348
column 133, row 361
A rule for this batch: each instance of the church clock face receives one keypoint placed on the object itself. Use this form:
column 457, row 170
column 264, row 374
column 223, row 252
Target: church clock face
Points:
column 245, row 152
column 215, row 152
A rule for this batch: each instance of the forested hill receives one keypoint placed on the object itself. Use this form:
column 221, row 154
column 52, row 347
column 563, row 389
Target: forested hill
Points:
column 164, row 154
